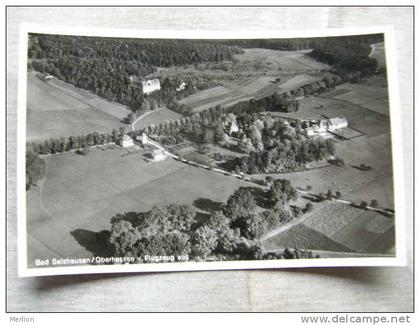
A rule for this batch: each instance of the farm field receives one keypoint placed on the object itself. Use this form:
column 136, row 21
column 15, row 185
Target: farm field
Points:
column 359, row 230
column 232, row 93
column 56, row 109
column 303, row 237
column 341, row 228
column 284, row 60
column 298, row 81
column 201, row 97
column 156, row 117
column 373, row 98
column 67, row 213
column 252, row 82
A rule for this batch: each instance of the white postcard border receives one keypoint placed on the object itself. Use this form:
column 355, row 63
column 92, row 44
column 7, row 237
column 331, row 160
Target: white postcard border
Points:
column 400, row 258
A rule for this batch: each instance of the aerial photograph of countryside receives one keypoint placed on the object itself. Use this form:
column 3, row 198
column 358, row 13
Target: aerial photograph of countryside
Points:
column 202, row 150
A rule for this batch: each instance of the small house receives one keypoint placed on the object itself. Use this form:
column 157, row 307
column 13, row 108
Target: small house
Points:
column 337, row 123
column 142, row 138
column 45, row 76
column 126, row 141
column 158, row 155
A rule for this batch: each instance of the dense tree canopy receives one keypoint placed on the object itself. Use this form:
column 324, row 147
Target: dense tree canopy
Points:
column 232, row 231
column 104, row 65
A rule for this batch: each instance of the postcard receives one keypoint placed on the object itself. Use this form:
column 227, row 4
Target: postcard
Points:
column 145, row 150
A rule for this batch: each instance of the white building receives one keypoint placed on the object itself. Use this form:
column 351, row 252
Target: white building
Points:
column 233, row 127
column 142, row 138
column 126, row 141
column 322, row 127
column 337, row 123
column 149, row 86
column 158, row 155
column 44, row 76
column 181, row 86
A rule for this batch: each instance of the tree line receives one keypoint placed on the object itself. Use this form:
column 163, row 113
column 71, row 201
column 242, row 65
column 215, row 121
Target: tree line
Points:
column 349, row 55
column 354, row 43
column 64, row 144
column 35, row 168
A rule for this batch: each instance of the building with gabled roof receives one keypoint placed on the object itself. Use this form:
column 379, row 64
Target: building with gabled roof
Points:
column 147, row 86
column 337, row 123
column 126, row 141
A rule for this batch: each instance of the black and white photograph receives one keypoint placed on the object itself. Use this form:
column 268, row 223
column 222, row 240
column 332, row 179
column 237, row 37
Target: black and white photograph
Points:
column 164, row 153
column 217, row 158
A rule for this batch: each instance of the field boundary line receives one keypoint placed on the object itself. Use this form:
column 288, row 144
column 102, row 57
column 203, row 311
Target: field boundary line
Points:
column 358, row 105
column 141, row 116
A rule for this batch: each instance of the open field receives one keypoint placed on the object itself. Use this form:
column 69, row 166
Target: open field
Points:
column 214, row 96
column 298, row 81
column 156, row 117
column 284, row 60
column 338, row 227
column 256, row 87
column 229, row 101
column 253, row 76
column 371, row 97
column 370, row 232
column 359, row 230
column 80, row 194
column 201, row 97
column 56, row 109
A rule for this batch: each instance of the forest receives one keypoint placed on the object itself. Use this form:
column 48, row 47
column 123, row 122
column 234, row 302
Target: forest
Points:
column 231, row 232
column 350, row 54
column 65, row 144
column 103, row 65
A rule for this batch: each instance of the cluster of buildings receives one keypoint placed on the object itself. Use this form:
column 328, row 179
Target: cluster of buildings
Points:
column 231, row 127
column 44, row 76
column 127, row 142
column 322, row 127
column 148, row 86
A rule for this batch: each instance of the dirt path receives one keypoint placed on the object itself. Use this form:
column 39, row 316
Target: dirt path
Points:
column 306, row 216
column 141, row 117
column 293, row 223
